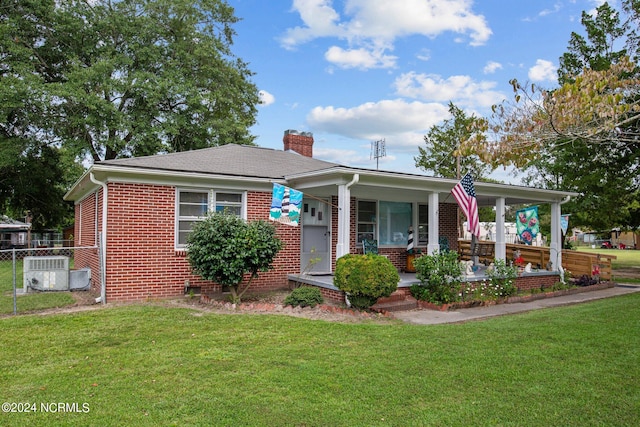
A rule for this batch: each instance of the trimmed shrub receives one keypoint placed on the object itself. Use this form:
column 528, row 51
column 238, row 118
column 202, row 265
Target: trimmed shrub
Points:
column 439, row 276
column 365, row 278
column 224, row 248
column 305, row 296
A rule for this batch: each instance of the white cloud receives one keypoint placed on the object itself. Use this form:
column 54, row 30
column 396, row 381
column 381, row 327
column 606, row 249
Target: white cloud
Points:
column 374, row 120
column 320, row 20
column 492, row 67
column 374, row 25
column 461, row 90
column 543, row 70
column 266, row 98
column 359, row 58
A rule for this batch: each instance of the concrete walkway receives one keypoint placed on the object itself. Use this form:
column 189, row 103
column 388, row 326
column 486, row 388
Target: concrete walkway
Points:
column 432, row 317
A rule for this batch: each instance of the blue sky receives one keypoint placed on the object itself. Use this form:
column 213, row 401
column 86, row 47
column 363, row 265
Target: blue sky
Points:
column 356, row 71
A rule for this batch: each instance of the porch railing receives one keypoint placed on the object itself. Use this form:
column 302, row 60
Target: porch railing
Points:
column 578, row 263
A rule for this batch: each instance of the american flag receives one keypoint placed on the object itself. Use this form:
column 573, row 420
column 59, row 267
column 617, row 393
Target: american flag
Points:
column 465, row 194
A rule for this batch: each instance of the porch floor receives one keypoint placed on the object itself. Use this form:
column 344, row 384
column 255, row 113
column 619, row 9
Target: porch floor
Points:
column 325, row 280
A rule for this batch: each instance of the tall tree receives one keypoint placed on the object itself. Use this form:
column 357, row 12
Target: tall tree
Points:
column 104, row 79
column 583, row 136
column 118, row 78
column 443, row 154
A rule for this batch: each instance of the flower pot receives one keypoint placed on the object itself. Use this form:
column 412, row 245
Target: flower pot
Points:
column 409, row 267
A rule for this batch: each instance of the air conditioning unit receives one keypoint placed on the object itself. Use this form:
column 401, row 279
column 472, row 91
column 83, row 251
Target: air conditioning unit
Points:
column 46, row 273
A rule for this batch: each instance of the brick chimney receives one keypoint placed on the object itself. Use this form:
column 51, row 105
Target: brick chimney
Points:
column 300, row 142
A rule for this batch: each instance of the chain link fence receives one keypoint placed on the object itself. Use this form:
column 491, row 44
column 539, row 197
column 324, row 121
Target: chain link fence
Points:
column 41, row 278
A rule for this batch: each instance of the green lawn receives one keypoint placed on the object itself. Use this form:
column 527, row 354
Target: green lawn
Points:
column 148, row 365
column 625, row 258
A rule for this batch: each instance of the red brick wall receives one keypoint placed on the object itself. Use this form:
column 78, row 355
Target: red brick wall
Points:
column 88, row 215
column 141, row 257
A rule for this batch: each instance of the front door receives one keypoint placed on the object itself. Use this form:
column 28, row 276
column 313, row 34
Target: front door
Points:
column 316, row 237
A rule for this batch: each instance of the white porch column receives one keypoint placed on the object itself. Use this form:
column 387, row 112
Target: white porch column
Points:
column 501, row 241
column 434, row 226
column 344, row 217
column 555, row 245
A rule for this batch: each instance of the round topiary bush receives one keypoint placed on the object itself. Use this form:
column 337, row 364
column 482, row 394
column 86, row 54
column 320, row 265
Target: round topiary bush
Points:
column 304, row 296
column 365, row 278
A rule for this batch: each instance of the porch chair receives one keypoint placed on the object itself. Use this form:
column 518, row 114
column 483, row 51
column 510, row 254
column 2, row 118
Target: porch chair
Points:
column 369, row 246
column 444, row 244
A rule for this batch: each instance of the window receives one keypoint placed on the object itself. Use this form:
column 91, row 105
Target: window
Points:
column 366, row 221
column 194, row 205
column 423, row 225
column 394, row 219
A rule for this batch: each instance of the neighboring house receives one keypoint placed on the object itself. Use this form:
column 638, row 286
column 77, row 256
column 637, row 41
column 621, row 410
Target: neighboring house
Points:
column 13, row 233
column 141, row 210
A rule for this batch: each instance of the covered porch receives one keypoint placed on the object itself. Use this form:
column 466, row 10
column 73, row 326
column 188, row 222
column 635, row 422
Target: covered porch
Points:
column 383, row 205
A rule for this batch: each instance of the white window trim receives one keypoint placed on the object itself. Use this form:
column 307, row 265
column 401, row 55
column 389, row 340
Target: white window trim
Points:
column 211, row 205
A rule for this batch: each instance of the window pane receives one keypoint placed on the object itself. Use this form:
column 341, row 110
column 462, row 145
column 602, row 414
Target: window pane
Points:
column 395, row 219
column 191, row 197
column 184, row 228
column 193, row 204
column 229, row 210
column 423, row 225
column 366, row 211
column 228, row 197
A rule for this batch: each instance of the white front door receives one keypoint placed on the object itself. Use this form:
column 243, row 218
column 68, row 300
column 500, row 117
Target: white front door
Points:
column 316, row 237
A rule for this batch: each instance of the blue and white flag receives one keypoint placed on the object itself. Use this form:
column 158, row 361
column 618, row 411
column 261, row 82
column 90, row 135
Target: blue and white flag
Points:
column 564, row 224
column 285, row 205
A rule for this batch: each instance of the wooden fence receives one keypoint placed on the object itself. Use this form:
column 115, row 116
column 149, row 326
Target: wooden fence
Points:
column 578, row 263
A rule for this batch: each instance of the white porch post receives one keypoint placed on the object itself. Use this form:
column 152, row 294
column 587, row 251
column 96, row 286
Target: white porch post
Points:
column 555, row 245
column 501, row 241
column 434, row 211
column 343, row 246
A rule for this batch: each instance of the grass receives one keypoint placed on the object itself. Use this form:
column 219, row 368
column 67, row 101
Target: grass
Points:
column 149, row 365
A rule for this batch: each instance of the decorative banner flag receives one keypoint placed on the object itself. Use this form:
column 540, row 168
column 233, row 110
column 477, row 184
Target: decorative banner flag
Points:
column 285, row 205
column 564, row 224
column 527, row 225
column 465, row 194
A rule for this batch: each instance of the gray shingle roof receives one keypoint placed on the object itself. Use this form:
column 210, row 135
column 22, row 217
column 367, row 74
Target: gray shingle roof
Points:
column 230, row 159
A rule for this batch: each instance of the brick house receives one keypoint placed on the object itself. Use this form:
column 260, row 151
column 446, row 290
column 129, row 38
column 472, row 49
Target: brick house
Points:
column 140, row 211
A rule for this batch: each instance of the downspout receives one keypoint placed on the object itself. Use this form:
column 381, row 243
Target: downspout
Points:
column 103, row 240
column 560, row 269
column 345, row 225
column 355, row 180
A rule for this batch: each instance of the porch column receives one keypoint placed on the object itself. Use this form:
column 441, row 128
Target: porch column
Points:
column 555, row 245
column 344, row 217
column 501, row 241
column 434, row 211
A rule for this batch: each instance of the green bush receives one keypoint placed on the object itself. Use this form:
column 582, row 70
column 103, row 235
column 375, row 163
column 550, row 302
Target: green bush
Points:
column 503, row 278
column 439, row 276
column 224, row 248
column 365, row 278
column 305, row 296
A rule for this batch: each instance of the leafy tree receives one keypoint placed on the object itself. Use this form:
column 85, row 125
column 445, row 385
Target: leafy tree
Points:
column 585, row 135
column 224, row 248
column 119, row 78
column 104, row 79
column 444, row 154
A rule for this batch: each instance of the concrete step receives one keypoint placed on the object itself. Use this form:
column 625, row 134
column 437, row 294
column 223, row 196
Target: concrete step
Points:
column 404, row 304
